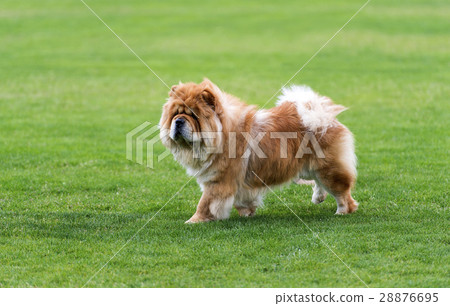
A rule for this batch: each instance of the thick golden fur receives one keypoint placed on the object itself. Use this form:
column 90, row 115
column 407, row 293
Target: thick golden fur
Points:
column 234, row 174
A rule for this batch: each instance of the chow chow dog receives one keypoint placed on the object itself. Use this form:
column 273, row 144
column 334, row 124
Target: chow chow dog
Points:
column 237, row 152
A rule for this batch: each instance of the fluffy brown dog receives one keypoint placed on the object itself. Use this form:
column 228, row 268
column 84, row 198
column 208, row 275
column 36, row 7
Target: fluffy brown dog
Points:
column 237, row 152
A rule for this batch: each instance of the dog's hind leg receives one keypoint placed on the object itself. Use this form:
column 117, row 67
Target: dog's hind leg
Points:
column 338, row 175
column 246, row 211
column 319, row 193
column 338, row 181
column 345, row 203
column 247, row 201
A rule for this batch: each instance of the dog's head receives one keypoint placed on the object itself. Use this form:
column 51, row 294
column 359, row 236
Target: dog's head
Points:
column 191, row 117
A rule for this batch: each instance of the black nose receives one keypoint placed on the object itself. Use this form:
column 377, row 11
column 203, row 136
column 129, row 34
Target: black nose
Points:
column 179, row 122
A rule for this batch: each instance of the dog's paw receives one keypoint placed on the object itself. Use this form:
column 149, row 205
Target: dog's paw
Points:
column 341, row 211
column 246, row 212
column 353, row 207
column 344, row 210
column 319, row 194
column 196, row 219
column 317, row 199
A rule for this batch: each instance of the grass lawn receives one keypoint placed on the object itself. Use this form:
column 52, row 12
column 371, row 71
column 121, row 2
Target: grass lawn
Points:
column 70, row 91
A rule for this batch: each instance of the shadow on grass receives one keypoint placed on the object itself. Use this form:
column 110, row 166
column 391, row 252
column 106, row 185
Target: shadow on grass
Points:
column 117, row 226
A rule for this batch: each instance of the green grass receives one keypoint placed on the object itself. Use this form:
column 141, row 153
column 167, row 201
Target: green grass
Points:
column 70, row 91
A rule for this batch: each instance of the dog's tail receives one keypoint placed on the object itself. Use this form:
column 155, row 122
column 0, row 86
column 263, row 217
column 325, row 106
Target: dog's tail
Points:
column 317, row 112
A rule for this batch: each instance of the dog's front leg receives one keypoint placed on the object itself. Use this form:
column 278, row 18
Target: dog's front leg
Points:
column 215, row 204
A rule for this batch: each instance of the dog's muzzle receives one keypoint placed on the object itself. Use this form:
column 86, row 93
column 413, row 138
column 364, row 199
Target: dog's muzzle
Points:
column 180, row 129
column 179, row 126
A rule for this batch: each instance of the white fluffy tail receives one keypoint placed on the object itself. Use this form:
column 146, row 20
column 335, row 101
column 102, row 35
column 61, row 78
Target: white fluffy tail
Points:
column 317, row 112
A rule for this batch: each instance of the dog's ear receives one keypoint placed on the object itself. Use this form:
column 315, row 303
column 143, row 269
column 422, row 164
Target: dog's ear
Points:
column 211, row 99
column 210, row 95
column 173, row 89
column 207, row 82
